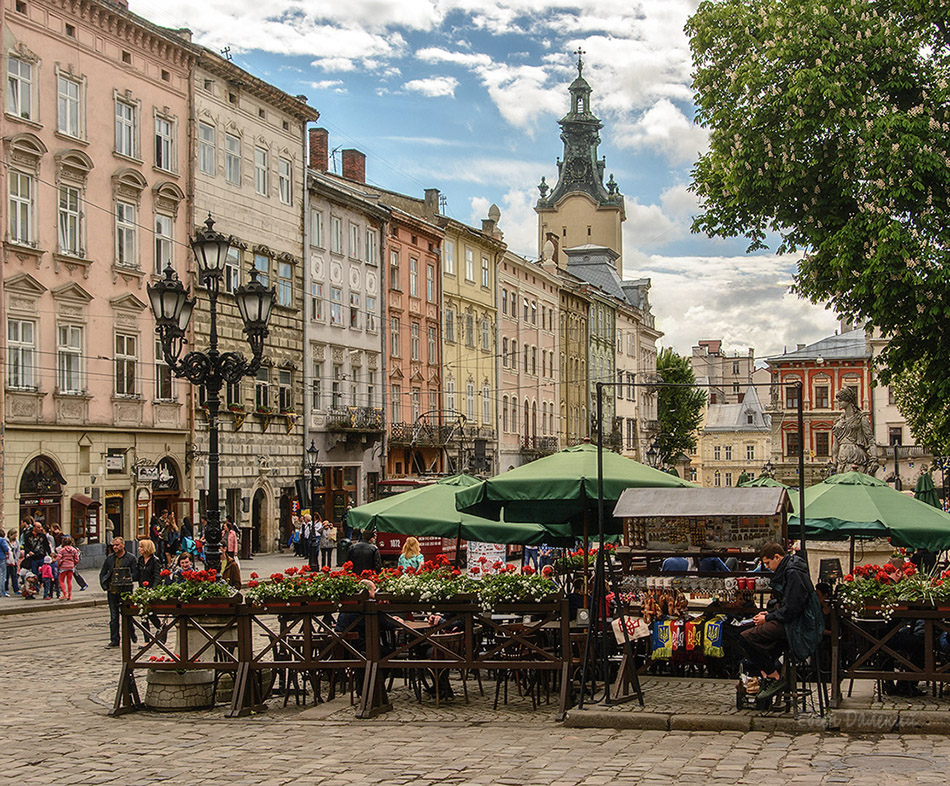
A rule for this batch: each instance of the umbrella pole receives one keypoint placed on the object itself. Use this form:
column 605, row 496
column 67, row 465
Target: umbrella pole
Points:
column 851, row 556
column 586, row 561
column 458, row 546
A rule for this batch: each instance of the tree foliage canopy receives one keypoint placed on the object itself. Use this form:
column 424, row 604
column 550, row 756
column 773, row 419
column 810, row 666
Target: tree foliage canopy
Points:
column 679, row 409
column 830, row 127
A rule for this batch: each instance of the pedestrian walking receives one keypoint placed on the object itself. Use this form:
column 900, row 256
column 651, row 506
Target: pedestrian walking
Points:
column 6, row 557
column 35, row 548
column 46, row 576
column 117, row 577
column 13, row 562
column 328, row 544
column 67, row 558
column 364, row 555
column 148, row 570
column 172, row 538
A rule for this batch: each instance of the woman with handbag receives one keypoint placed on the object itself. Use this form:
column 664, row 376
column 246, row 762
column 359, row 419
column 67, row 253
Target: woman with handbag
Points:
column 13, row 563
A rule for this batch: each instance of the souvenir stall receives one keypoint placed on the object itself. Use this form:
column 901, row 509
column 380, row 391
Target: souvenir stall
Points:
column 687, row 564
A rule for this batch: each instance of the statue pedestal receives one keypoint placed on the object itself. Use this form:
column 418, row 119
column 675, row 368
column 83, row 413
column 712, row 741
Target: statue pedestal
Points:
column 866, row 552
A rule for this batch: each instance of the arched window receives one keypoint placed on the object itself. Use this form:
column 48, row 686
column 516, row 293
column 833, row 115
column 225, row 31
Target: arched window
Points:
column 534, row 419
column 504, row 414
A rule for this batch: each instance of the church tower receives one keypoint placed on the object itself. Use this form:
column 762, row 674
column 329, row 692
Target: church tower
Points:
column 581, row 209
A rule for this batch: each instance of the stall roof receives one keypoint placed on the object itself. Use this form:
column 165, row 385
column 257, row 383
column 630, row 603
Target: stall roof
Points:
column 667, row 503
column 84, row 501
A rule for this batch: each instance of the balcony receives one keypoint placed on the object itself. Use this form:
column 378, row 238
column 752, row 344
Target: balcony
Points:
column 422, row 434
column 537, row 447
column 366, row 420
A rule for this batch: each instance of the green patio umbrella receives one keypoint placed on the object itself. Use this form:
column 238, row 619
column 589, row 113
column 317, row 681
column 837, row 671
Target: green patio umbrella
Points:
column 854, row 504
column 926, row 492
column 765, row 480
column 562, row 489
column 430, row 511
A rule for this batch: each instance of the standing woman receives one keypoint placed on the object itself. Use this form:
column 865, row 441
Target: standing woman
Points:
column 411, row 556
column 328, row 543
column 149, row 571
column 13, row 561
column 172, row 537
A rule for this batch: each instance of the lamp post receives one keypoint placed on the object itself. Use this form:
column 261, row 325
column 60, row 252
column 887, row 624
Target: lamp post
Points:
column 897, row 470
column 172, row 308
column 653, row 454
column 313, row 547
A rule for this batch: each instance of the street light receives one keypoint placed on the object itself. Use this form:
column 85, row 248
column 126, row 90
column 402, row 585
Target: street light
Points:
column 768, row 469
column 897, row 470
column 172, row 308
column 653, row 454
column 313, row 552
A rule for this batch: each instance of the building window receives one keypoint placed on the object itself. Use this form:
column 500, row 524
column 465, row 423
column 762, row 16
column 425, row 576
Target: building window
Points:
column 316, row 228
column 316, row 301
column 164, row 144
column 232, row 270
column 354, row 310
column 285, row 181
column 524, row 358
column 336, row 306
column 206, row 149
column 895, row 435
column 717, row 453
column 486, row 334
column 285, row 391
column 163, row 242
column 414, row 341
column 450, row 325
column 433, row 346
column 70, row 221
column 504, row 353
column 430, row 283
column 316, row 387
column 534, row 313
column 534, row 360
column 486, row 273
column 728, row 479
column 727, row 451
column 394, row 336
column 717, row 478
column 791, row 443
column 791, row 396
column 371, row 324
column 125, row 129
column 470, row 401
column 232, row 159
column 448, row 257
column 415, row 399
column 514, row 415
column 469, row 330
column 163, row 375
column 370, row 388
column 354, row 241
column 262, row 390
column 260, row 171
column 526, row 308
column 469, row 264
column 69, row 358
column 821, row 397
column 68, row 92
column 735, row 367
column 486, row 404
column 504, row 301
column 397, row 404
column 394, row 282
column 21, row 345
column 125, row 360
column 750, row 452
column 372, row 238
column 20, row 88
column 262, row 266
column 336, row 235
column 285, row 284
column 822, row 444
column 126, row 231
column 450, row 395
column 413, row 277
column 21, row 208
column 504, row 414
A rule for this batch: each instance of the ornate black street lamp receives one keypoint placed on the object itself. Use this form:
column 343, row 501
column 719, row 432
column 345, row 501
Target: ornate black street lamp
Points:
column 313, row 547
column 172, row 308
column 653, row 454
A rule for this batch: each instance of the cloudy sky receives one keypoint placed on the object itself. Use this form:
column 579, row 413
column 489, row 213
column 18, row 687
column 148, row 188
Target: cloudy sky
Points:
column 464, row 96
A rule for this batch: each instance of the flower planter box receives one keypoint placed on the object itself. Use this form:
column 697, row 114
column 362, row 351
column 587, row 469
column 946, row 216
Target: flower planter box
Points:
column 462, row 597
column 206, row 606
column 312, row 605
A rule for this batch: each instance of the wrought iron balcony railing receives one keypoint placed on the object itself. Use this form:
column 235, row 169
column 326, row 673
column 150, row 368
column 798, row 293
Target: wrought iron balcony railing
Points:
column 368, row 419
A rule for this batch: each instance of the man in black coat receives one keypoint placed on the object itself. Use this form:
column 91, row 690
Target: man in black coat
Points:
column 364, row 555
column 117, row 577
column 36, row 548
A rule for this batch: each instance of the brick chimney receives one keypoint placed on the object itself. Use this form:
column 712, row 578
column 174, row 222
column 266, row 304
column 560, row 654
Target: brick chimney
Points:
column 319, row 145
column 354, row 165
column 431, row 205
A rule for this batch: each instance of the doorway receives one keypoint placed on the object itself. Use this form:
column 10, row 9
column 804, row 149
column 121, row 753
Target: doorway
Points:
column 257, row 518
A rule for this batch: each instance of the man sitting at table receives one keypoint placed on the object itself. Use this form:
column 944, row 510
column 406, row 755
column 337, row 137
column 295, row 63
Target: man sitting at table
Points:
column 792, row 618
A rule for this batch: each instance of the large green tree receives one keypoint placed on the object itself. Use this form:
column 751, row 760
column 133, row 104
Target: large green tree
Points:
column 830, row 130
column 679, row 409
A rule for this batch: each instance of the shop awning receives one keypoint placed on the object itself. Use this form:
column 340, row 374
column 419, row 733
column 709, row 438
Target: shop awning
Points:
column 704, row 502
column 83, row 501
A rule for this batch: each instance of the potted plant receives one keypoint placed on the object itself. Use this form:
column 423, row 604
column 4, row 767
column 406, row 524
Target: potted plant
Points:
column 879, row 590
column 200, row 590
column 301, row 586
column 512, row 588
column 434, row 581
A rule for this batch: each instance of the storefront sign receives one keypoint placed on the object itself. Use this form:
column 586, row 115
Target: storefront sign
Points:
column 115, row 463
column 146, row 474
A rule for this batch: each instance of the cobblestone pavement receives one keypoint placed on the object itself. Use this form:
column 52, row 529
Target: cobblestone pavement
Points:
column 60, row 679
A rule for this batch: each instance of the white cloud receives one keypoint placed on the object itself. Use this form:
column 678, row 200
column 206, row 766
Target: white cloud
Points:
column 665, row 129
column 433, row 86
column 742, row 300
column 518, row 221
column 326, row 84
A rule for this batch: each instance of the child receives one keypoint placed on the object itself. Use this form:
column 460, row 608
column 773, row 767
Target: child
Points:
column 27, row 583
column 46, row 574
column 67, row 557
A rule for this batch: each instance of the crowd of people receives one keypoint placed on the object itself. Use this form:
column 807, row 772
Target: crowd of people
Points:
column 38, row 558
column 314, row 538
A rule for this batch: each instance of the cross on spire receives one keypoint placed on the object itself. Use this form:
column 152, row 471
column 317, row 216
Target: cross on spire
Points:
column 580, row 60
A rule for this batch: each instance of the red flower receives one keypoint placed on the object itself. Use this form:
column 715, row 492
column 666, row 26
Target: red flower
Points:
column 528, row 570
column 482, row 560
column 474, row 570
column 144, row 583
column 325, row 568
column 251, row 584
column 547, row 571
column 496, row 565
column 304, row 568
column 165, row 573
column 290, row 571
column 254, row 576
column 277, row 577
column 347, row 566
column 456, row 572
column 849, row 577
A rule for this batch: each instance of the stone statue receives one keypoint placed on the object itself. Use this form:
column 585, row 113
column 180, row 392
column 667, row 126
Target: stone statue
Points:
column 853, row 446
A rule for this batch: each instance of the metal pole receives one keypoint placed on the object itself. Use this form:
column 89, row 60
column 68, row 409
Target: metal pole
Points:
column 801, row 468
column 897, row 470
column 600, row 577
column 212, row 530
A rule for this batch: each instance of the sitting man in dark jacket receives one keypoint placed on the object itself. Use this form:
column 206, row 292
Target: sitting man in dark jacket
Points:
column 364, row 555
column 792, row 619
